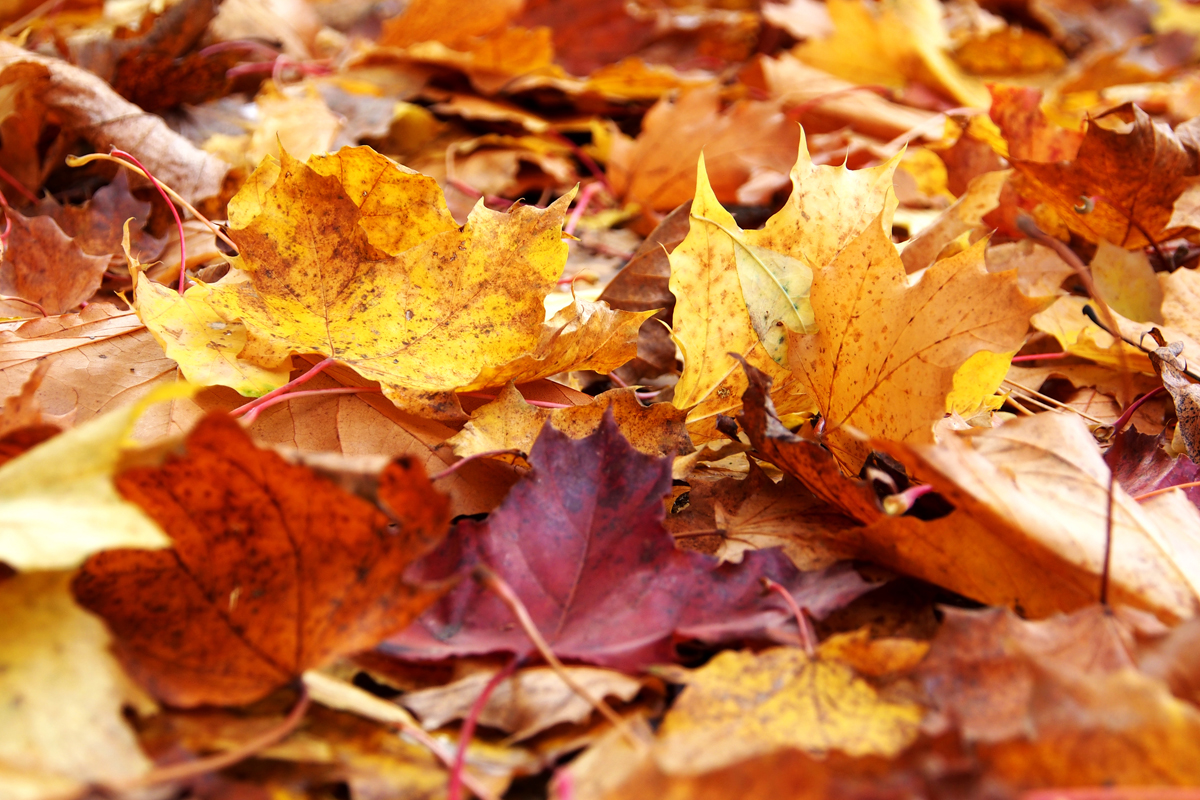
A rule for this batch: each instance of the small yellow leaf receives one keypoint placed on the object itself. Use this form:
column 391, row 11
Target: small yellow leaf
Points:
column 977, row 381
column 744, row 704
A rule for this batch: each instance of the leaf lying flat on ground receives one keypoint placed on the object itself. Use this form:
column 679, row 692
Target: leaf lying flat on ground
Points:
column 273, row 570
column 1137, row 166
column 743, row 704
column 1059, row 702
column 581, row 541
column 61, row 691
column 103, row 359
column 425, row 309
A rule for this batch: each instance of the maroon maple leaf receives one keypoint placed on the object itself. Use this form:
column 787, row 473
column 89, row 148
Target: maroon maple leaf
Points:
column 581, row 541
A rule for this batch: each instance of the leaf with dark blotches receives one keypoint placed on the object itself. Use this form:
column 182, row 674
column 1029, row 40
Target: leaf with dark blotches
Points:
column 274, row 570
column 581, row 541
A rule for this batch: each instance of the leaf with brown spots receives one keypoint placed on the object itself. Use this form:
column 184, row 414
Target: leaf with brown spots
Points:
column 274, row 570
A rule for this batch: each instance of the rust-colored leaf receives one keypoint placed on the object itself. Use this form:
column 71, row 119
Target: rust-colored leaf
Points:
column 274, row 571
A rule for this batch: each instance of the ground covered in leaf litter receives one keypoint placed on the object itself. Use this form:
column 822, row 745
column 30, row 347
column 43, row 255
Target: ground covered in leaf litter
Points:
column 484, row 524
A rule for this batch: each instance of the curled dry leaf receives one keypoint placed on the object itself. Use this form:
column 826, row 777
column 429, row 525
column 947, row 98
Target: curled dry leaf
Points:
column 1184, row 393
column 1031, row 496
column 510, row 423
column 732, row 516
column 273, row 570
column 580, row 540
column 524, row 704
column 96, row 226
column 806, row 460
column 61, row 692
column 85, row 104
column 44, row 265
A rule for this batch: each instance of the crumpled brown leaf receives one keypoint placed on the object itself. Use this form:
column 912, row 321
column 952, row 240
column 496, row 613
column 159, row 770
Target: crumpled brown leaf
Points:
column 85, row 104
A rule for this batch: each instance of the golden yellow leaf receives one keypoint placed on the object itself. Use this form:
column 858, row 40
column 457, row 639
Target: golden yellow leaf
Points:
column 883, row 362
column 510, row 423
column 977, row 381
column 743, row 704
column 710, row 318
column 827, row 208
column 61, row 690
column 58, row 504
column 774, row 285
column 584, row 335
column 356, row 258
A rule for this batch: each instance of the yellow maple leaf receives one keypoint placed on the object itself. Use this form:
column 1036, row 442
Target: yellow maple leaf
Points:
column 743, row 704
column 711, row 319
column 356, row 258
column 884, row 359
column 205, row 346
column 742, row 291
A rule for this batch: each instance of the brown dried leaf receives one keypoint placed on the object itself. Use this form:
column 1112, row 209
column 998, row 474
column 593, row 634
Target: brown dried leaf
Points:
column 85, row 104
column 44, row 265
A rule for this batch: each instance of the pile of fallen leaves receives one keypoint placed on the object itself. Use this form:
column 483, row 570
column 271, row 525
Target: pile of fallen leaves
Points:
column 599, row 399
